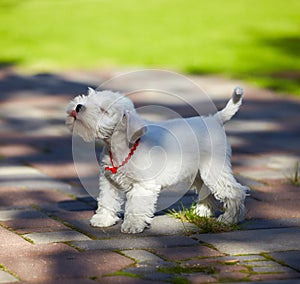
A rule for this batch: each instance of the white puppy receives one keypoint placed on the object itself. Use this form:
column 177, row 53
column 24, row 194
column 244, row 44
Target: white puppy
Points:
column 142, row 158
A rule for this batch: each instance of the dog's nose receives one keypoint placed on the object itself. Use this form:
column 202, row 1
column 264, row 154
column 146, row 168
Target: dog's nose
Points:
column 78, row 108
column 73, row 113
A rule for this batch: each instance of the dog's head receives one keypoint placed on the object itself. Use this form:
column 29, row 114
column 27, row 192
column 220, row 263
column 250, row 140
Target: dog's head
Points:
column 98, row 115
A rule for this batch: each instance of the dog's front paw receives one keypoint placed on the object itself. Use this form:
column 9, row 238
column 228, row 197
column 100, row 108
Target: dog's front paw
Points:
column 100, row 220
column 135, row 227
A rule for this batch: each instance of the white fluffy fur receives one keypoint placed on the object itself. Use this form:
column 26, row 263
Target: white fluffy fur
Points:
column 193, row 150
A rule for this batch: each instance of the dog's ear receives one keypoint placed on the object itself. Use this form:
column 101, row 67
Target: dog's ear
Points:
column 91, row 91
column 135, row 127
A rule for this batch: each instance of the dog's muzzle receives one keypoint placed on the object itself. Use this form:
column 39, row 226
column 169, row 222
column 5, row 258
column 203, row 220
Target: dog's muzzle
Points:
column 75, row 111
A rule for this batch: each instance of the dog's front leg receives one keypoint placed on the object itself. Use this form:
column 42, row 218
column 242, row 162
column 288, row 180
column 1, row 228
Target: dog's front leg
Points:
column 139, row 208
column 110, row 201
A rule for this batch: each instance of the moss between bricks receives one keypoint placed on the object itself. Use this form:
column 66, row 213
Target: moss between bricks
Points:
column 232, row 280
column 70, row 244
column 20, row 235
column 182, row 270
column 180, row 280
column 207, row 245
column 65, row 223
column 208, row 270
column 186, row 270
column 2, row 267
column 251, row 272
column 122, row 273
column 268, row 257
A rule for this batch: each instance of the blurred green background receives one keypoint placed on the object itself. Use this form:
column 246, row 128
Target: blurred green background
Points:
column 254, row 40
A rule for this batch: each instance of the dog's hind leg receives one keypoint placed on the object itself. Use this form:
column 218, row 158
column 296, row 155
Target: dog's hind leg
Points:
column 206, row 207
column 110, row 201
column 232, row 194
column 224, row 187
column 206, row 203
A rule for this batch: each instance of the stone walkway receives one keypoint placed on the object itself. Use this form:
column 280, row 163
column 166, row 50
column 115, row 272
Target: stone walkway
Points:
column 45, row 236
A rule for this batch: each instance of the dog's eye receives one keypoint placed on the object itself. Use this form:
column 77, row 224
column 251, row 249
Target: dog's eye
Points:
column 78, row 108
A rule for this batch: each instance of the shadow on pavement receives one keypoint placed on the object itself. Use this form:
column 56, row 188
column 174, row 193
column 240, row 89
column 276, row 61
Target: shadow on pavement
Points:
column 33, row 134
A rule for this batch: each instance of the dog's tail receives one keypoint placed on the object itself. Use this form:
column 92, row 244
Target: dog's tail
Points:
column 232, row 106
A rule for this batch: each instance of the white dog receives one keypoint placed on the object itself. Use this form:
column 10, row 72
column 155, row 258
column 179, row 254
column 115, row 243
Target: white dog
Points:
column 142, row 158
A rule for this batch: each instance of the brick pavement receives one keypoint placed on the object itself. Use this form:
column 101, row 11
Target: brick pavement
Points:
column 44, row 211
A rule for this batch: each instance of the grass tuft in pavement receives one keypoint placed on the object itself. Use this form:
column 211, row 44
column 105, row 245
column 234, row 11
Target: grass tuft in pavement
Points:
column 205, row 224
column 295, row 180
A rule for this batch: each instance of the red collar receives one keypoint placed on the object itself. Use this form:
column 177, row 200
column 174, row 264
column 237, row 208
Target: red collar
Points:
column 114, row 168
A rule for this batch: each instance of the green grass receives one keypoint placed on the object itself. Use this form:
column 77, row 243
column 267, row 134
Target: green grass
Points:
column 253, row 40
column 183, row 270
column 3, row 268
column 205, row 224
column 295, row 179
column 123, row 273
